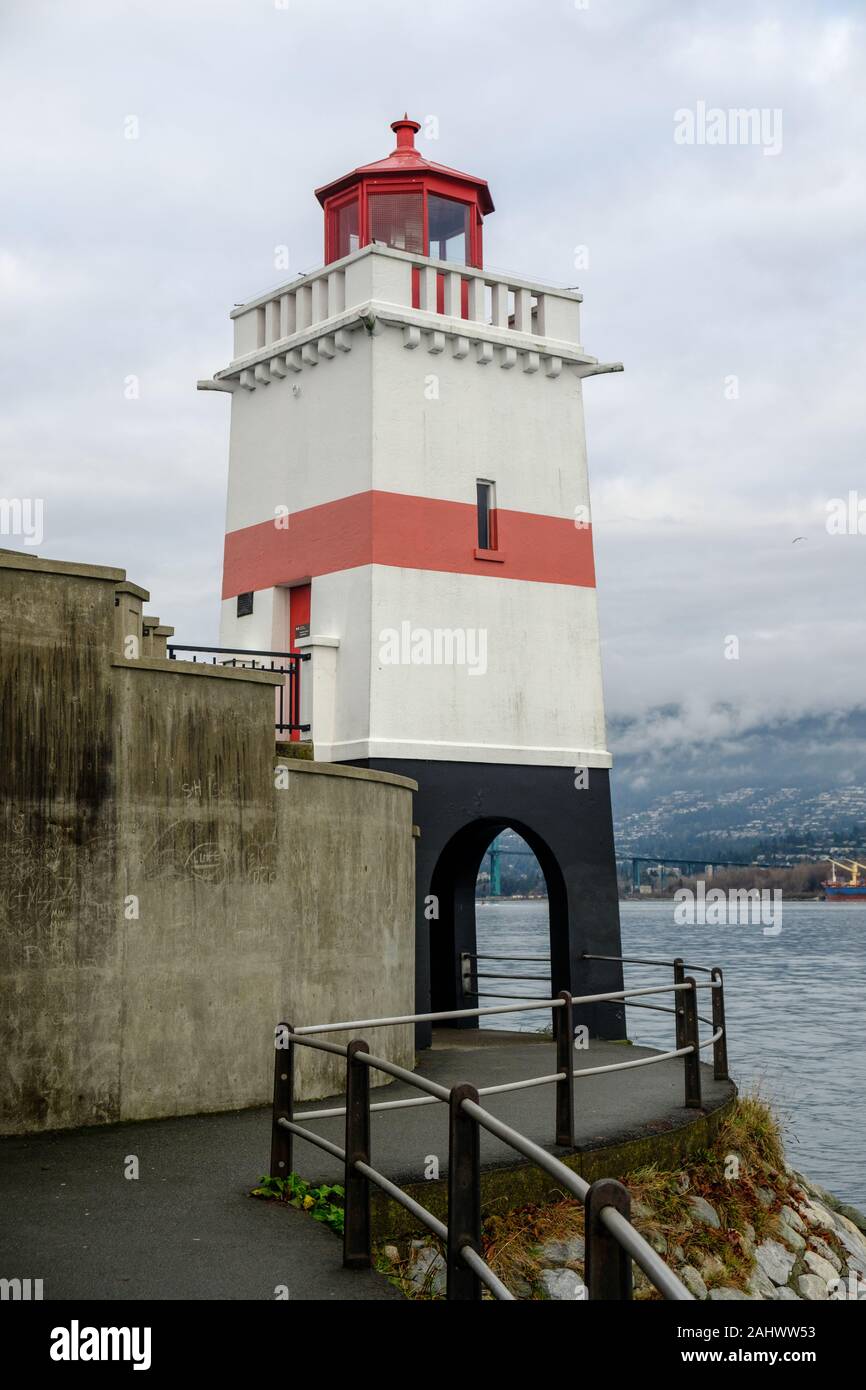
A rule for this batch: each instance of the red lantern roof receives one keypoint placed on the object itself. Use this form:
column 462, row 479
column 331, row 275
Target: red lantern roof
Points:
column 434, row 200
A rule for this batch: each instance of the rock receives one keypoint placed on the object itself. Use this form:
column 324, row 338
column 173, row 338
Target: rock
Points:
column 852, row 1214
column 562, row 1252
column 843, row 1224
column 427, row 1269
column 728, row 1295
column 812, row 1288
column 816, row 1264
column 562, row 1284
column 793, row 1218
column 760, row 1285
column 826, row 1253
column 521, row 1289
column 678, row 1255
column 392, row 1254
column 656, row 1240
column 712, row 1267
column 774, row 1260
column 765, row 1196
column 641, row 1212
column 786, row 1294
column 693, row 1281
column 749, row 1234
column 854, row 1248
column 811, row 1187
column 817, row 1215
column 792, row 1238
column 702, row 1211
column 820, row 1193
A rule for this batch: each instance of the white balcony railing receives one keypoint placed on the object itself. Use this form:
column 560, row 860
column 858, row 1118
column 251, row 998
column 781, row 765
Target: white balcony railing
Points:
column 314, row 317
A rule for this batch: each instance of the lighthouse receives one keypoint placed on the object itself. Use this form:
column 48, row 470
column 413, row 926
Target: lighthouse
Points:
column 408, row 508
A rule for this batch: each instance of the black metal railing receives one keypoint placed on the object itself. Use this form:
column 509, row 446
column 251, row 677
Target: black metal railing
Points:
column 471, row 976
column 612, row 1243
column 287, row 716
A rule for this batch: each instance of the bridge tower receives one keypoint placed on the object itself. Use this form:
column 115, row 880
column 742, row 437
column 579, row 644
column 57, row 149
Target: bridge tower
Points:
column 408, row 505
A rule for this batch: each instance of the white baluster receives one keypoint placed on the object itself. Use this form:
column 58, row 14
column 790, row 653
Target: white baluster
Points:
column 337, row 292
column 477, row 299
column 320, row 299
column 523, row 311
column 452, row 299
column 428, row 289
column 291, row 314
column 303, row 307
column 500, row 304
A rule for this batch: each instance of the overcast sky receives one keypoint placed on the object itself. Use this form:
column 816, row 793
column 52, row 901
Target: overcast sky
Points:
column 122, row 257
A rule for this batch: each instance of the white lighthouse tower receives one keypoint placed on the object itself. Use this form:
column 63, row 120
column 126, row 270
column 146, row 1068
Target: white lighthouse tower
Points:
column 408, row 505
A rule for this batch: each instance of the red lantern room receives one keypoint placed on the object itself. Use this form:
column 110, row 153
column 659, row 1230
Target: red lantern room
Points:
column 407, row 202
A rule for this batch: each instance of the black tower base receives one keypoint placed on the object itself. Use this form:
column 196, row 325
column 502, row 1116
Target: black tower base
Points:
column 459, row 809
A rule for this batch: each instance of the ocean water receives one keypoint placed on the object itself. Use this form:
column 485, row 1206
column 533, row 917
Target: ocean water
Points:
column 795, row 1006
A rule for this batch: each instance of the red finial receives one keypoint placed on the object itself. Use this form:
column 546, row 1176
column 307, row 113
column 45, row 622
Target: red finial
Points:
column 405, row 132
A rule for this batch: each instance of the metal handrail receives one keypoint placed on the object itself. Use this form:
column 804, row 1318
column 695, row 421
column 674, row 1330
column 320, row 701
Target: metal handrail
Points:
column 288, row 664
column 609, row 1232
column 637, row 960
column 537, row 959
column 402, row 1074
column 435, row 1225
column 496, row 975
column 551, row 1165
column 638, row 1062
column 643, row 1254
column 525, row 1004
column 312, row 1138
column 437, row 1100
column 483, row 1272
column 236, row 651
column 424, row 1018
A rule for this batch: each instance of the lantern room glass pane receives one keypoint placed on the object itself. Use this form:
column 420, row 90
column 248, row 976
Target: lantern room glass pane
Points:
column 344, row 229
column 397, row 219
column 449, row 229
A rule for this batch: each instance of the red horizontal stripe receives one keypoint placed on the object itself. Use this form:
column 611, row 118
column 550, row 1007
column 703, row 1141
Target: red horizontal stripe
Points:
column 392, row 528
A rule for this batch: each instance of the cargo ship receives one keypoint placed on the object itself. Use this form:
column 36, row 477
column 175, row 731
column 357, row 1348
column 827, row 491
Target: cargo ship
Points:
column 837, row 890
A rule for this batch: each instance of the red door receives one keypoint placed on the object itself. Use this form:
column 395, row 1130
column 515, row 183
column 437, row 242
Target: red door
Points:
column 299, row 626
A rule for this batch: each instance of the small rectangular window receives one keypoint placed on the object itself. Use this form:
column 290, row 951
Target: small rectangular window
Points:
column 245, row 605
column 486, row 506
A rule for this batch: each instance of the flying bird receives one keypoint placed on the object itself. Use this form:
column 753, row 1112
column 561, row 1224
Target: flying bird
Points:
column 798, row 538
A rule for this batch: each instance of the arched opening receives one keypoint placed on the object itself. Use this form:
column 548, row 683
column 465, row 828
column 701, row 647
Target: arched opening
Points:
column 512, row 933
column 454, row 930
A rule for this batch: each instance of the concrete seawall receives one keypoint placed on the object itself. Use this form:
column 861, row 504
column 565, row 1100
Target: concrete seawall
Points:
column 164, row 898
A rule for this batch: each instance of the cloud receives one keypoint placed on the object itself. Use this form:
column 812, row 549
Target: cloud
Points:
column 122, row 257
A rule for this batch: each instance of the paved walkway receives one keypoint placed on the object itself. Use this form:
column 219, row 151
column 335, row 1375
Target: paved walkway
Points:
column 186, row 1229
column 608, row 1109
